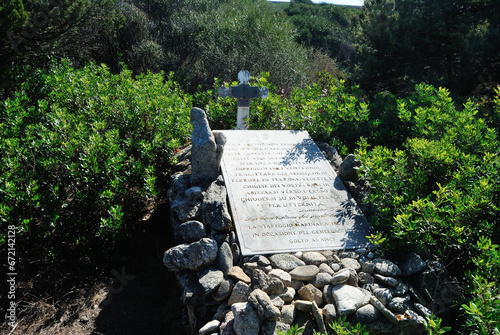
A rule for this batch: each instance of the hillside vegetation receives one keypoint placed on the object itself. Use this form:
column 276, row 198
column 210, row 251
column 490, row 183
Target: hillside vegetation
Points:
column 96, row 95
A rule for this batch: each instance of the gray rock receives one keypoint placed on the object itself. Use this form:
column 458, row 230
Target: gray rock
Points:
column 210, row 328
column 422, row 310
column 412, row 323
column 412, row 315
column 318, row 315
column 303, row 305
column 313, row 258
column 361, row 251
column 311, row 293
column 237, row 273
column 325, row 268
column 261, row 302
column 255, row 265
column 353, row 188
column 296, row 284
column 185, row 210
column 288, row 294
column 341, row 277
column 348, row 254
column 235, row 248
column 368, row 267
column 285, row 262
column 193, row 256
column 367, row 314
column 389, row 281
column 330, row 313
column 210, row 279
column 223, row 291
column 351, row 263
column 348, row 299
column 385, row 312
column 221, row 312
column 192, row 292
column 305, row 272
column 348, row 170
column 206, row 152
column 335, row 266
column 194, row 193
column 383, row 294
column 284, row 276
column 272, row 328
column 399, row 290
column 412, row 264
column 224, row 258
column 398, row 305
column 371, row 287
column 362, row 260
column 261, row 260
column 331, row 154
column 330, row 256
column 321, row 280
column 267, row 284
column 240, row 293
column 327, row 294
column 214, row 208
column 365, row 278
column 227, row 326
column 277, row 301
column 386, row 268
column 246, row 319
column 180, row 183
column 190, row 231
column 287, row 314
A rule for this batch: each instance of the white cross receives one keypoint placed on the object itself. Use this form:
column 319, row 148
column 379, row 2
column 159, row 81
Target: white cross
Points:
column 243, row 92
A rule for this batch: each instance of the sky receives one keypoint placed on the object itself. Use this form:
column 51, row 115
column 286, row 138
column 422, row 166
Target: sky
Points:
column 335, row 2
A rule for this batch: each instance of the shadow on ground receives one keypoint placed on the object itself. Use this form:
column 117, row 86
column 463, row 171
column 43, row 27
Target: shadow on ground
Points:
column 143, row 297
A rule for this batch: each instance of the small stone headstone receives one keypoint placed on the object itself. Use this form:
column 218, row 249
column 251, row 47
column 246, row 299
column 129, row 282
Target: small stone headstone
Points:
column 206, row 151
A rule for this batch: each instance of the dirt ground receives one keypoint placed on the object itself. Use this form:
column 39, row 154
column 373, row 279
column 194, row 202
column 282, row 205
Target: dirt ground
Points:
column 136, row 295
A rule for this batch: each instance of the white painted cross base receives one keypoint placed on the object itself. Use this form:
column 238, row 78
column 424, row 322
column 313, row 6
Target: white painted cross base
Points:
column 243, row 115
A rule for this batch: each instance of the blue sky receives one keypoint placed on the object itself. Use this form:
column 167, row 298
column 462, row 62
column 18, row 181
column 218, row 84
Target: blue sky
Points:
column 336, row 2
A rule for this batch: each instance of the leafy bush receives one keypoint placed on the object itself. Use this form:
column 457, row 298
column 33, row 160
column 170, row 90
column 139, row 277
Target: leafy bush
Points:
column 78, row 164
column 483, row 308
column 441, row 187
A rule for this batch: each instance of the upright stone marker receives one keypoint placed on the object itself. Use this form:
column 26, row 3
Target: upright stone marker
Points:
column 285, row 196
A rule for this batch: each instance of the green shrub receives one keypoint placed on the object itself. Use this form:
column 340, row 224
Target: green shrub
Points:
column 78, row 164
column 441, row 187
column 483, row 307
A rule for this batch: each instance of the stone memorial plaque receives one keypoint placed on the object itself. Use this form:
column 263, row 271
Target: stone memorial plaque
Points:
column 285, row 196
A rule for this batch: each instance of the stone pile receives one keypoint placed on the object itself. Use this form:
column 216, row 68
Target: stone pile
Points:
column 226, row 293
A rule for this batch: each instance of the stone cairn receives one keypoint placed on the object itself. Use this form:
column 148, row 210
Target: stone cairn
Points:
column 225, row 293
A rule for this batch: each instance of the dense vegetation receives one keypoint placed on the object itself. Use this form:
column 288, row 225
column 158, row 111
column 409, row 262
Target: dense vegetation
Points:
column 410, row 87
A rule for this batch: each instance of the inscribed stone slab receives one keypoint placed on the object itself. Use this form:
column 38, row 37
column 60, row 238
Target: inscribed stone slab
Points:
column 285, row 196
